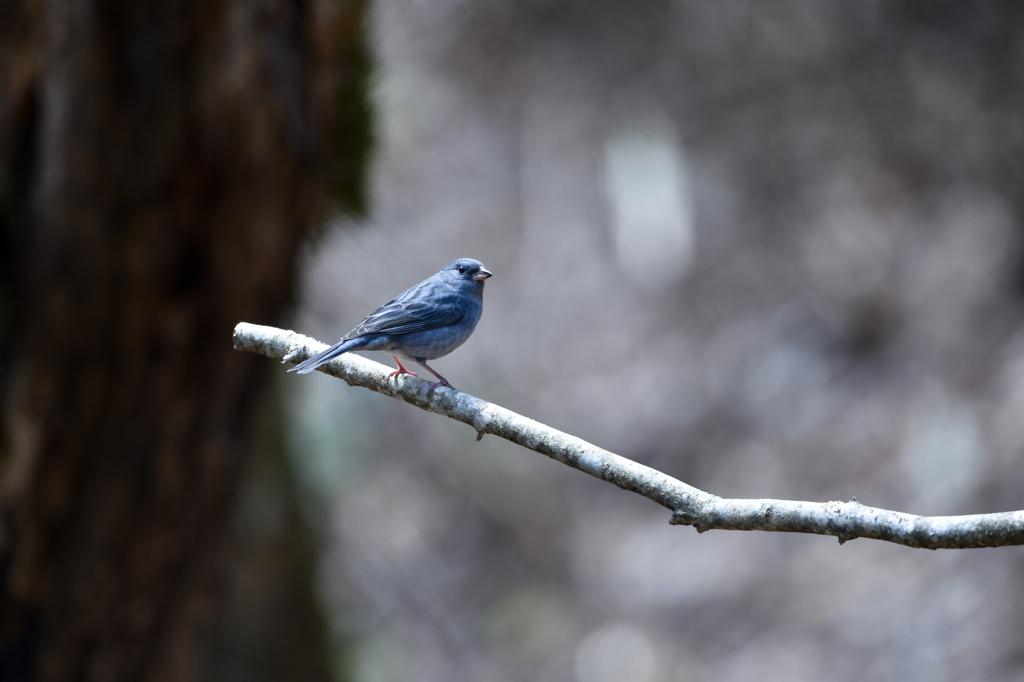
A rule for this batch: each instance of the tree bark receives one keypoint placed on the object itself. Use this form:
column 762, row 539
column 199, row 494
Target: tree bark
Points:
column 161, row 164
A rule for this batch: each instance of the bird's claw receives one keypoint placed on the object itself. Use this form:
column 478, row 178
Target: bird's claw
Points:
column 400, row 370
column 443, row 382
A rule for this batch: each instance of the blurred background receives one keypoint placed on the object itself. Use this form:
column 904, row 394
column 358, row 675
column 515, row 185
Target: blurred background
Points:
column 772, row 249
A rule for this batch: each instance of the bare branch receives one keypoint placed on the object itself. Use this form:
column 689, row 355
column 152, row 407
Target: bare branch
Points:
column 689, row 506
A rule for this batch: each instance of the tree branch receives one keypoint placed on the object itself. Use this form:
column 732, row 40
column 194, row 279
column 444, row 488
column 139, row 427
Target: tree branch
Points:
column 689, row 506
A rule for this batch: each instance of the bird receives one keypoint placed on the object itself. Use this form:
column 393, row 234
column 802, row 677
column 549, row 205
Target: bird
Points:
column 427, row 322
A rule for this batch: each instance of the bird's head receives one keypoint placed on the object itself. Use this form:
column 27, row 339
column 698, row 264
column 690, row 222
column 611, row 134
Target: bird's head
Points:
column 467, row 269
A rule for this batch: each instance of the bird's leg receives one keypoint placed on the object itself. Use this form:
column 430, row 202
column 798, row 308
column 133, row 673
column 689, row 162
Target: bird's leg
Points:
column 442, row 382
column 401, row 370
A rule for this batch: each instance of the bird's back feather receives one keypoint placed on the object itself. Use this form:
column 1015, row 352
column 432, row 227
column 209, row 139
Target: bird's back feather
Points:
column 414, row 311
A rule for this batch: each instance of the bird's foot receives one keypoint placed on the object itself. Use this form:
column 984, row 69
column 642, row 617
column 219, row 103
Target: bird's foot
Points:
column 442, row 382
column 401, row 370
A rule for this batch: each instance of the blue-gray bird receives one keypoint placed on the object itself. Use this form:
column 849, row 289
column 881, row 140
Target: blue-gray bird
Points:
column 428, row 321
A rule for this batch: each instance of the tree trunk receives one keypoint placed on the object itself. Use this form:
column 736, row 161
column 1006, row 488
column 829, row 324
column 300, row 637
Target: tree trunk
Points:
column 160, row 164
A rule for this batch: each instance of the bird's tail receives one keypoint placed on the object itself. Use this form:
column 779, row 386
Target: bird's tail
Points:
column 326, row 356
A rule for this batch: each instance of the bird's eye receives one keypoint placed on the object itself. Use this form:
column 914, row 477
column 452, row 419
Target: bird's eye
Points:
column 462, row 269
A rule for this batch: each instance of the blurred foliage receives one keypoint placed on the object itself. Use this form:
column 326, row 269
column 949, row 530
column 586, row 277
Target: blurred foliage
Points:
column 353, row 125
column 270, row 625
column 842, row 318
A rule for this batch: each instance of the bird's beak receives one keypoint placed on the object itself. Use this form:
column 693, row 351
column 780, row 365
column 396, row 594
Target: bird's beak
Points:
column 481, row 275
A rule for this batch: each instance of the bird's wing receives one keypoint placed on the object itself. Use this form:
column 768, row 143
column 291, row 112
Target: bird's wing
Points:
column 418, row 309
